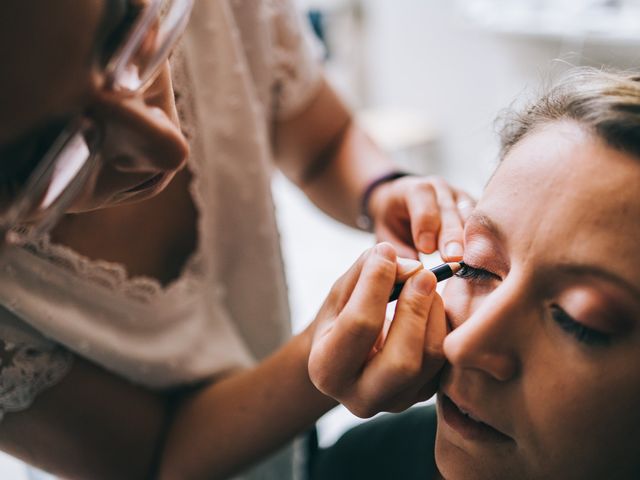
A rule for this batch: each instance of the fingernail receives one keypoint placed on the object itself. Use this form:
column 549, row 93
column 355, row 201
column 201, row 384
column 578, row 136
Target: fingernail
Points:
column 424, row 282
column 407, row 266
column 427, row 241
column 453, row 250
column 465, row 206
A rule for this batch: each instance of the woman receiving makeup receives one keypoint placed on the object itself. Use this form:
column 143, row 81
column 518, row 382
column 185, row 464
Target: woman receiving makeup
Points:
column 542, row 378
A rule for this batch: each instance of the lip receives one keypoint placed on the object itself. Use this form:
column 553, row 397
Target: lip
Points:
column 148, row 184
column 472, row 429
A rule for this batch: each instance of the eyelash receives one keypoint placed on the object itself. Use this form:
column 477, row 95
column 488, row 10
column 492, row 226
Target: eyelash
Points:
column 475, row 274
column 582, row 333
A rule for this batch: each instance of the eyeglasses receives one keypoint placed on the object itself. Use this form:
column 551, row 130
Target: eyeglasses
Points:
column 70, row 157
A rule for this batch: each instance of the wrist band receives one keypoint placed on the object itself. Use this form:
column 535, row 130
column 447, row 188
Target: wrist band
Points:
column 364, row 220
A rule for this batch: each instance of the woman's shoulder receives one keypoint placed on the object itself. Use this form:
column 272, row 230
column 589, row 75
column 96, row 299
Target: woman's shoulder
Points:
column 389, row 446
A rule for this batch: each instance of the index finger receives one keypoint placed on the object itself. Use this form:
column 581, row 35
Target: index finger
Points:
column 424, row 215
column 402, row 355
column 355, row 331
column 450, row 241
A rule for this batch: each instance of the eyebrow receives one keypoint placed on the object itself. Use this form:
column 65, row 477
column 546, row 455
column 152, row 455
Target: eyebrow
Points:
column 573, row 269
column 485, row 221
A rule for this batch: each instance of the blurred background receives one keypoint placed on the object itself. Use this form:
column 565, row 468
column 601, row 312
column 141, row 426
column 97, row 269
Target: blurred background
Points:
column 427, row 79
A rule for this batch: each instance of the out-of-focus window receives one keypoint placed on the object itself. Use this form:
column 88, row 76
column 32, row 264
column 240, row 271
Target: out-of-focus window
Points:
column 339, row 25
column 607, row 21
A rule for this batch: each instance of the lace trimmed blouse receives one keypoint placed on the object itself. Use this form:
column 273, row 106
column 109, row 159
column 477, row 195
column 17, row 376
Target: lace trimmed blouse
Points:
column 241, row 63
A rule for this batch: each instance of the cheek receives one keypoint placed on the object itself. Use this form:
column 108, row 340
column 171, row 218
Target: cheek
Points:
column 579, row 405
column 461, row 299
column 571, row 419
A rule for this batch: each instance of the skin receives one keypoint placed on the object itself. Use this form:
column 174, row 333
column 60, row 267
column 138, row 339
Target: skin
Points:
column 75, row 428
column 333, row 356
column 140, row 133
column 557, row 225
column 415, row 214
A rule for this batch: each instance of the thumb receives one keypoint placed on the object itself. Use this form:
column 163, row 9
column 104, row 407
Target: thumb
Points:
column 406, row 267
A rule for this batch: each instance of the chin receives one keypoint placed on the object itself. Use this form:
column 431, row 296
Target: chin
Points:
column 454, row 463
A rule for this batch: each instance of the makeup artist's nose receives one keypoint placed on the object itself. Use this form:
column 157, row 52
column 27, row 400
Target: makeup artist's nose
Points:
column 487, row 341
column 139, row 136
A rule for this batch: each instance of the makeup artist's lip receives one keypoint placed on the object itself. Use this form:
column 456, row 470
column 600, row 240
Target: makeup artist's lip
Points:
column 467, row 423
column 147, row 184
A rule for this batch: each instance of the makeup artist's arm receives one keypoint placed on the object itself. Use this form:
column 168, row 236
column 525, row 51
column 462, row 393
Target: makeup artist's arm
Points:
column 232, row 423
column 332, row 160
column 94, row 424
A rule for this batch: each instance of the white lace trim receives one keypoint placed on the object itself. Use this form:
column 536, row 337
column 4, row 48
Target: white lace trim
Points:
column 114, row 276
column 26, row 370
column 110, row 275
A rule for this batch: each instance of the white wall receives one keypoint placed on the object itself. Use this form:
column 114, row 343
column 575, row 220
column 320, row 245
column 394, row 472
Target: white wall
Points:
column 424, row 54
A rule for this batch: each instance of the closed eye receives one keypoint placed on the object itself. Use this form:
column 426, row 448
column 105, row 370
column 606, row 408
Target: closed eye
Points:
column 475, row 274
column 582, row 333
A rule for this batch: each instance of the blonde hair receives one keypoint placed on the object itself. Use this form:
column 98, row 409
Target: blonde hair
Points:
column 606, row 103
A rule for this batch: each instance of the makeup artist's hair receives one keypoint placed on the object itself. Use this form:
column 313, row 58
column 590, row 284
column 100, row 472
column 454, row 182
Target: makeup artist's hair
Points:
column 605, row 103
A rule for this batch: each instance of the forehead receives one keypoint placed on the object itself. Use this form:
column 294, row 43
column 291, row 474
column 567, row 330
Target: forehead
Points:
column 562, row 192
column 45, row 52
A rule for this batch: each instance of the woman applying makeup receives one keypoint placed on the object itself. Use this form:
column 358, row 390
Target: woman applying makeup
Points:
column 144, row 320
column 542, row 379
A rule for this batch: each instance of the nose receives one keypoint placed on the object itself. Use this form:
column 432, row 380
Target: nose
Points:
column 141, row 133
column 488, row 340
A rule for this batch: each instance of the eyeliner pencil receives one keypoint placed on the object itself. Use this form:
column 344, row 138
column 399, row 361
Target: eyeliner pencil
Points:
column 442, row 272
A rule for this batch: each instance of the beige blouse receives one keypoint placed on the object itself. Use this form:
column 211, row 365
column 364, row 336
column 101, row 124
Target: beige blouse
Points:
column 241, row 63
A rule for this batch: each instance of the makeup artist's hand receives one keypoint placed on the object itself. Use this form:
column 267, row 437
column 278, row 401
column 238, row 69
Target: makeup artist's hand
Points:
column 421, row 214
column 354, row 360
